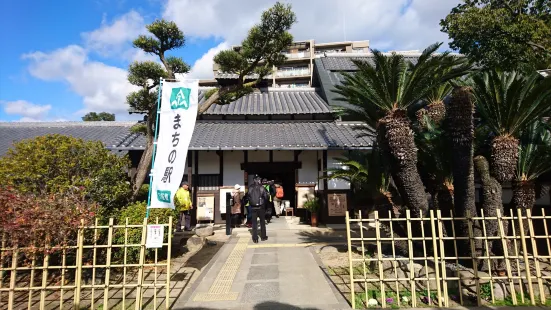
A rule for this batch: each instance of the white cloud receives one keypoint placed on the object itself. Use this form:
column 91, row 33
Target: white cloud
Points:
column 202, row 68
column 26, row 109
column 113, row 38
column 388, row 24
column 102, row 87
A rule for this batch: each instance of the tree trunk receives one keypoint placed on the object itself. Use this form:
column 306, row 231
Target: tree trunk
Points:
column 491, row 202
column 504, row 152
column 461, row 131
column 397, row 141
column 524, row 198
column 144, row 166
column 385, row 205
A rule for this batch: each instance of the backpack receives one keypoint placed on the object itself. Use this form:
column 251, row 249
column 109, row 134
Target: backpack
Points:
column 279, row 192
column 255, row 196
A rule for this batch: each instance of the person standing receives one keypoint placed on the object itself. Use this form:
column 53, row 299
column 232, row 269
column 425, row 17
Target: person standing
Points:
column 236, row 207
column 278, row 199
column 182, row 201
column 258, row 197
column 269, row 204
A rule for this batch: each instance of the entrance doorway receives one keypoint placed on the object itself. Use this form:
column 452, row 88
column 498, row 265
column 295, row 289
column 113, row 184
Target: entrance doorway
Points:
column 280, row 172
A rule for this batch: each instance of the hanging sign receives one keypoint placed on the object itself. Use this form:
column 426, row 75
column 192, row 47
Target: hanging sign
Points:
column 155, row 235
column 178, row 112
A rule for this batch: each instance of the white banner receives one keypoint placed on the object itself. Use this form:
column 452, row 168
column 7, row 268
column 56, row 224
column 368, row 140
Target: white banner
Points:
column 179, row 103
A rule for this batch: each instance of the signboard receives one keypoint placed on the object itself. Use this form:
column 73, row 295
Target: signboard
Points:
column 223, row 191
column 205, row 208
column 178, row 111
column 336, row 204
column 155, row 235
column 303, row 194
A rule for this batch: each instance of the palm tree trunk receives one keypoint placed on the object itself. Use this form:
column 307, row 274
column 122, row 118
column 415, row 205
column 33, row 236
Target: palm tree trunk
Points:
column 397, row 141
column 524, row 198
column 491, row 202
column 504, row 152
column 461, row 131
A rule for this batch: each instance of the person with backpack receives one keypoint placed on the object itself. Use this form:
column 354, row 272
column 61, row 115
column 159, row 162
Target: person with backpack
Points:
column 269, row 205
column 258, row 197
column 278, row 199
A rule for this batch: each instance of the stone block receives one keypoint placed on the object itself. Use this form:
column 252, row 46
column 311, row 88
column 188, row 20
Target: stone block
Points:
column 204, row 230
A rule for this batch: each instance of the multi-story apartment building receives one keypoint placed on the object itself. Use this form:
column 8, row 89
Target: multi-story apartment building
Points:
column 297, row 71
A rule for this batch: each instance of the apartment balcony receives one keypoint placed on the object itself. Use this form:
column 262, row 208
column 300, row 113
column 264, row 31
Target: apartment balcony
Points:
column 296, row 56
column 292, row 73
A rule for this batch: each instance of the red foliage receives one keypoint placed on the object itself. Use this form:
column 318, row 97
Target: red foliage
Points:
column 42, row 223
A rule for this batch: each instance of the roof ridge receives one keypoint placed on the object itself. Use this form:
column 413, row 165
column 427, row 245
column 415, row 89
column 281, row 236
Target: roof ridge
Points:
column 69, row 124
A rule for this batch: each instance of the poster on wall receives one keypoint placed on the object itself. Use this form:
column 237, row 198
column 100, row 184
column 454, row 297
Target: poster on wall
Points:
column 303, row 194
column 205, row 208
column 337, row 204
column 223, row 191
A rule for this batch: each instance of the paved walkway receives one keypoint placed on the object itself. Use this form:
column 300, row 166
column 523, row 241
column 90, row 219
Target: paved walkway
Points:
column 280, row 273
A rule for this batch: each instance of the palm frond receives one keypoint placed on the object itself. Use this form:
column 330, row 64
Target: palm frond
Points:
column 535, row 152
column 508, row 102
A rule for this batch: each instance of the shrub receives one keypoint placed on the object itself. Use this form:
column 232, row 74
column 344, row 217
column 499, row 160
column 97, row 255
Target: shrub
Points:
column 55, row 164
column 135, row 213
column 32, row 221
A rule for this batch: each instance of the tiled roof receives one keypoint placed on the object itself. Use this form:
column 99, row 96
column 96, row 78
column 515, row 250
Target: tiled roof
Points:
column 274, row 102
column 208, row 135
column 346, row 64
column 269, row 135
column 110, row 133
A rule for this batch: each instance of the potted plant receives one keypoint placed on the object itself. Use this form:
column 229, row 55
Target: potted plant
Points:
column 313, row 205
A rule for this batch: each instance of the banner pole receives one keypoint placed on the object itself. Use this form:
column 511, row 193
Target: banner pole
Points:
column 154, row 147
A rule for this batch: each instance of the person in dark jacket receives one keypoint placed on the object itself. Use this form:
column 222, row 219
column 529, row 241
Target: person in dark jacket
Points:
column 270, row 204
column 258, row 197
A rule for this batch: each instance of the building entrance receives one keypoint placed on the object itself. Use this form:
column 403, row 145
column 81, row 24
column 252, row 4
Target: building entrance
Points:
column 279, row 173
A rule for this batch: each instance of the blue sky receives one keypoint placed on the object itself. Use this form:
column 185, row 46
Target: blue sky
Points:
column 64, row 58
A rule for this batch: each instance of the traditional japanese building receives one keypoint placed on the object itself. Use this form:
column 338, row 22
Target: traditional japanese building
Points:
column 290, row 134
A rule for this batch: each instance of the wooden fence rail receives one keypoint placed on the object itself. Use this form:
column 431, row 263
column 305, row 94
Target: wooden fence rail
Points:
column 105, row 266
column 442, row 266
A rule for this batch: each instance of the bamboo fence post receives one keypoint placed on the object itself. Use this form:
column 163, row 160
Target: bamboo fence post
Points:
column 78, row 263
column 2, row 264
column 443, row 258
column 13, row 276
column 411, row 262
column 394, row 257
column 425, row 259
column 63, row 271
column 138, row 304
column 380, row 259
column 487, row 248
column 525, row 254
column 362, row 243
column 517, row 255
column 435, row 255
column 505, row 246
column 169, row 254
column 124, row 261
column 108, row 266
column 473, row 253
column 94, row 260
column 536, row 256
column 351, row 267
column 456, row 257
column 31, row 283
column 547, row 234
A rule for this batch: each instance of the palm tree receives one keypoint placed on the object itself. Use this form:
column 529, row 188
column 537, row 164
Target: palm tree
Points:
column 534, row 161
column 381, row 94
column 507, row 102
column 435, row 109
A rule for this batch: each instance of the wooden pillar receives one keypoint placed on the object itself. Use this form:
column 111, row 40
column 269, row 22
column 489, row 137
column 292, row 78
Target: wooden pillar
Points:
column 221, row 171
column 189, row 165
column 325, row 212
column 195, row 186
column 245, row 174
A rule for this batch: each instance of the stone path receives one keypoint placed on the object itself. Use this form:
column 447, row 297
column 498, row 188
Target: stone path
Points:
column 280, row 273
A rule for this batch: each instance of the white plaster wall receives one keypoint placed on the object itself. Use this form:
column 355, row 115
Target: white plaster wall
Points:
column 258, row 156
column 284, row 155
column 309, row 171
column 331, row 164
column 209, row 163
column 232, row 168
